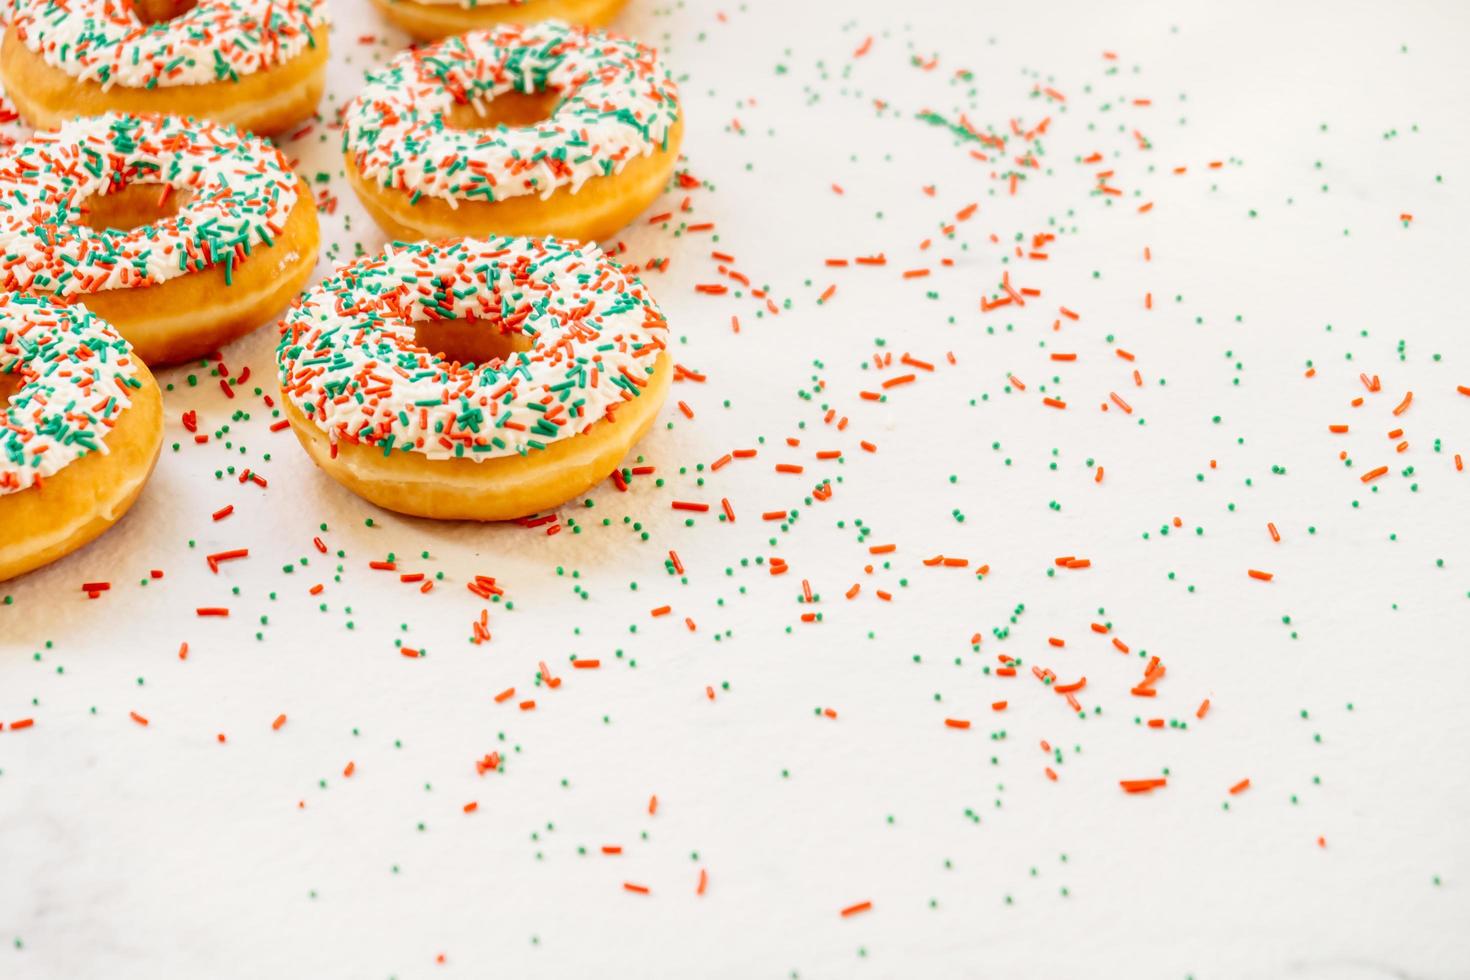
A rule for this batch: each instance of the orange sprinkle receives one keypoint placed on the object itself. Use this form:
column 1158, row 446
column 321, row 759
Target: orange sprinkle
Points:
column 1204, row 708
column 1142, row 785
column 505, row 695
column 636, row 889
column 956, row 723
column 1261, row 576
column 276, row 725
column 1374, row 474
column 1240, row 787
column 855, row 909
column 131, row 714
column 998, row 705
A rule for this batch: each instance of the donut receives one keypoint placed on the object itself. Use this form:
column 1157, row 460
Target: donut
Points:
column 429, row 20
column 256, row 64
column 547, row 130
column 81, row 423
column 473, row 379
column 182, row 235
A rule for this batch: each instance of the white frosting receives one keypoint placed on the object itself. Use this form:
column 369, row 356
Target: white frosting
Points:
column 69, row 377
column 218, row 40
column 617, row 103
column 240, row 192
column 349, row 359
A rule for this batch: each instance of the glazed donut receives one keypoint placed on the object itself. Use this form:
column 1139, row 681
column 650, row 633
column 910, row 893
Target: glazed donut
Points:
column 473, row 379
column 81, row 423
column 232, row 238
column 546, row 130
column 256, row 64
column 429, row 20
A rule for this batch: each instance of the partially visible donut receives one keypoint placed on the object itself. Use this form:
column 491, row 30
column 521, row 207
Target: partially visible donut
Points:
column 81, row 423
column 473, row 379
column 256, row 64
column 233, row 236
column 546, row 130
column 429, row 20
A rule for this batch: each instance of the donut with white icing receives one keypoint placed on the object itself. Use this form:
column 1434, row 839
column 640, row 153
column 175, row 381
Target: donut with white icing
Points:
column 547, row 130
column 183, row 235
column 81, row 423
column 256, row 64
column 479, row 379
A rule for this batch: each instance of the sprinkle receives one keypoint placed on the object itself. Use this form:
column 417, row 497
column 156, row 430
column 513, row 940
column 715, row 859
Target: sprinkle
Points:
column 1142, row 785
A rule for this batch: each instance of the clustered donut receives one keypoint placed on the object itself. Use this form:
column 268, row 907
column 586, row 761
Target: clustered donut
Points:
column 485, row 376
column 258, row 64
column 242, row 243
column 428, row 20
column 81, row 423
column 605, row 151
column 473, row 379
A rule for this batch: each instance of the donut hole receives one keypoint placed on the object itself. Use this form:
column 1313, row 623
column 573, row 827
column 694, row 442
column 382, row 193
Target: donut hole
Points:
column 151, row 12
column 9, row 385
column 470, row 341
column 507, row 109
column 132, row 206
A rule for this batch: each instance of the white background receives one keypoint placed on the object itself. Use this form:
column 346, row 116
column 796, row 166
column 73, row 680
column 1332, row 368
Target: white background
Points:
column 131, row 851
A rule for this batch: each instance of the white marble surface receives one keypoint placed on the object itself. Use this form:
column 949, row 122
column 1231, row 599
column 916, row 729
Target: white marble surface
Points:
column 131, row 851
